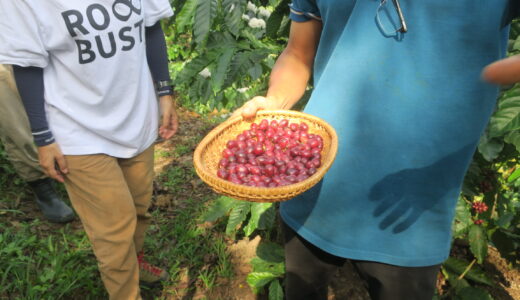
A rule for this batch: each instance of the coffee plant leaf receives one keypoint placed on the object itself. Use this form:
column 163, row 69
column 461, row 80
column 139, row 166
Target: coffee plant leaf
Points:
column 478, row 242
column 218, row 77
column 473, row 293
column 507, row 118
column 462, row 221
column 255, row 71
column 221, row 41
column 233, row 15
column 513, row 138
column 267, row 218
column 453, row 279
column 258, row 280
column 275, row 291
column 260, row 265
column 204, row 14
column 257, row 209
column 490, row 148
column 185, row 15
column 458, row 266
column 219, row 209
column 270, row 252
column 237, row 216
column 193, row 68
column 274, row 22
column 239, row 65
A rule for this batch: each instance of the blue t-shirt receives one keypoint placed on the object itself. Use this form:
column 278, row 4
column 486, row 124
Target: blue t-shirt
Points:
column 409, row 110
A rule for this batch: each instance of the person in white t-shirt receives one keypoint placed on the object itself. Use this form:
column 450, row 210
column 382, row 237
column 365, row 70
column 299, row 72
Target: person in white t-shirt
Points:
column 89, row 74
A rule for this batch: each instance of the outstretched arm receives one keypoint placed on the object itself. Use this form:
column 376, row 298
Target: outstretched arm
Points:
column 291, row 72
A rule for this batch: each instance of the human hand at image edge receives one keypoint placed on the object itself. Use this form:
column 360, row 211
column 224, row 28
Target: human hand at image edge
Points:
column 52, row 161
column 503, row 72
column 169, row 119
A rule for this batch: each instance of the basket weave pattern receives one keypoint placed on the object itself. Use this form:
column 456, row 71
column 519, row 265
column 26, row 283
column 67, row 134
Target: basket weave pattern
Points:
column 209, row 152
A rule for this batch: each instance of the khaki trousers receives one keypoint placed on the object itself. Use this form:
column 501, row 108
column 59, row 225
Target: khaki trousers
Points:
column 111, row 197
column 15, row 133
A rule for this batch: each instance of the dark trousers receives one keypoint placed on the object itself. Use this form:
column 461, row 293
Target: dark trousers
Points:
column 310, row 269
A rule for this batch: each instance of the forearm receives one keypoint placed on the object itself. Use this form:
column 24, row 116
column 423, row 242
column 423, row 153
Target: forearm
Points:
column 289, row 79
column 30, row 86
column 157, row 58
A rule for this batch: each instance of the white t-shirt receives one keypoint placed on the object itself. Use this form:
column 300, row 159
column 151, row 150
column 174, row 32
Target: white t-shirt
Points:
column 99, row 93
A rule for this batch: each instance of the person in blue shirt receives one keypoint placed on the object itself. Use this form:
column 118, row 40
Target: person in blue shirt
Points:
column 401, row 83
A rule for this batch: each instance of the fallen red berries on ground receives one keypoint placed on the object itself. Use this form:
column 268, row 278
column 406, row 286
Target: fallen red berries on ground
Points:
column 270, row 154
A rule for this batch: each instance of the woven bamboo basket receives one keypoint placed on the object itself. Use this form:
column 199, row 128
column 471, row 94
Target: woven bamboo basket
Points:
column 209, row 152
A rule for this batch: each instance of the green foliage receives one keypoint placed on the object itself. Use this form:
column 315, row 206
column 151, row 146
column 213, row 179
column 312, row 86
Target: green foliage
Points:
column 60, row 266
column 230, row 55
column 493, row 179
column 268, row 269
column 268, row 265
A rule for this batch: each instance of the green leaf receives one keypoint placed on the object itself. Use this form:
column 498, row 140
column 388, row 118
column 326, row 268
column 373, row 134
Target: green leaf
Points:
column 513, row 137
column 219, row 209
column 239, row 66
column 218, row 77
column 255, row 71
column 478, row 242
column 260, row 265
column 258, row 43
column 455, row 283
column 476, row 274
column 192, row 68
column 257, row 209
column 463, row 220
column 237, row 216
column 185, row 16
column 204, row 15
column 473, row 293
column 275, row 291
column 234, row 9
column 275, row 20
column 267, row 218
column 490, row 148
column 221, row 40
column 514, row 176
column 507, row 118
column 270, row 252
column 259, row 279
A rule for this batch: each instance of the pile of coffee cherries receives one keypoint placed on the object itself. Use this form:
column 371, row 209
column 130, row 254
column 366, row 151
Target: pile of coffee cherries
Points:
column 271, row 154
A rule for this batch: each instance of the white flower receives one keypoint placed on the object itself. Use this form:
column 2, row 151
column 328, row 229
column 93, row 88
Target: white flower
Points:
column 252, row 7
column 256, row 23
column 205, row 73
column 243, row 90
column 246, row 17
column 264, row 12
column 232, row 7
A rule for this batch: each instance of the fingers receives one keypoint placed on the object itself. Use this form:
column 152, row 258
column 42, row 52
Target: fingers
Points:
column 506, row 71
column 170, row 125
column 249, row 109
column 53, row 162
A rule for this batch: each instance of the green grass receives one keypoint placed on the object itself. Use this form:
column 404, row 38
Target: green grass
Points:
column 39, row 260
column 58, row 266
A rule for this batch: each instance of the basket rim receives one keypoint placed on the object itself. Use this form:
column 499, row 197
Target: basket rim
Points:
column 212, row 179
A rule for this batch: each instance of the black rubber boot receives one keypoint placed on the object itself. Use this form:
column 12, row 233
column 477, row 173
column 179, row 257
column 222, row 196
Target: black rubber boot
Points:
column 52, row 207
